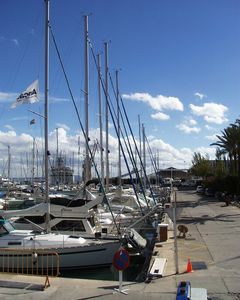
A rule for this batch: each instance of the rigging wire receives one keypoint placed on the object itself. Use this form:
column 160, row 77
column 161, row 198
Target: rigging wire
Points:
column 115, row 126
column 83, row 131
column 141, row 163
column 153, row 161
column 131, row 155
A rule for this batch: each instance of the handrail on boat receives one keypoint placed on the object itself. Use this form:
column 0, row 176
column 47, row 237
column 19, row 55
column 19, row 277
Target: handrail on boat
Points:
column 36, row 262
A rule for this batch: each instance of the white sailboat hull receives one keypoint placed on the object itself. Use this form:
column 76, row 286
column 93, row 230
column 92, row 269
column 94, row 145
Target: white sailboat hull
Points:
column 48, row 251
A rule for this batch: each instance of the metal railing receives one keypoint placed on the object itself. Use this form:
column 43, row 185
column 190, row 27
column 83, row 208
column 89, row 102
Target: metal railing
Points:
column 30, row 262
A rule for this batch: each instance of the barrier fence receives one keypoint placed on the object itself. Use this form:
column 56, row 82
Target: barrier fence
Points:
column 30, row 262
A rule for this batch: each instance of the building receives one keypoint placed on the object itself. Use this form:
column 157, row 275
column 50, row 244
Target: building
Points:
column 60, row 173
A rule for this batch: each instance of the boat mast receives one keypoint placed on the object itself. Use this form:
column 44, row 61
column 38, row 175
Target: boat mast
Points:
column 86, row 93
column 33, row 162
column 78, row 160
column 106, row 115
column 100, row 118
column 118, row 129
column 140, row 148
column 9, row 163
column 144, row 155
column 46, row 114
column 57, row 161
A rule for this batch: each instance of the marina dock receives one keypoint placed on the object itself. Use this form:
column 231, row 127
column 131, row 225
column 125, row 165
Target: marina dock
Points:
column 212, row 228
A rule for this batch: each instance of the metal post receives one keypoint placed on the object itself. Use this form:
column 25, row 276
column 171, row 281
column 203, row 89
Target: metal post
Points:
column 175, row 232
column 120, row 289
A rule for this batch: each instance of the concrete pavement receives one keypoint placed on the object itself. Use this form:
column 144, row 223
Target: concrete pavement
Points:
column 212, row 244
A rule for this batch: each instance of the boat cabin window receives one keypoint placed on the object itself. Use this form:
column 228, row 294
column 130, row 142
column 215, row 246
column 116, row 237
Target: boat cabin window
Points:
column 91, row 220
column 2, row 230
column 5, row 227
column 70, row 225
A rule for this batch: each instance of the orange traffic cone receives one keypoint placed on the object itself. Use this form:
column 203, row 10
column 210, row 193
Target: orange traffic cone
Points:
column 189, row 266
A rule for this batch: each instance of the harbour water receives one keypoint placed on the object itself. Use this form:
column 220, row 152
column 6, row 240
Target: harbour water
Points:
column 109, row 273
column 137, row 270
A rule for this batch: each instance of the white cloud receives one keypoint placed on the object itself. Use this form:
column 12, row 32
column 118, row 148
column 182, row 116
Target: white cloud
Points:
column 68, row 144
column 211, row 112
column 64, row 126
column 53, row 99
column 192, row 122
column 22, row 118
column 187, row 129
column 9, row 127
column 209, row 127
column 7, row 96
column 160, row 116
column 169, row 156
column 199, row 95
column 211, row 137
column 210, row 151
column 15, row 41
column 187, row 126
column 189, row 121
column 151, row 137
column 159, row 102
column 110, row 125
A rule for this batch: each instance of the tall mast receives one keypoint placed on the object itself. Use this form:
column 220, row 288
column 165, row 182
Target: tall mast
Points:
column 33, row 162
column 57, row 160
column 46, row 115
column 140, row 147
column 118, row 129
column 100, row 118
column 37, row 171
column 86, row 93
column 9, row 162
column 106, row 115
column 78, row 160
column 144, row 155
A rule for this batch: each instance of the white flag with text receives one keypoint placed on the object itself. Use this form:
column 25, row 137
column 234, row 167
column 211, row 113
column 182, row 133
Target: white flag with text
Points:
column 30, row 95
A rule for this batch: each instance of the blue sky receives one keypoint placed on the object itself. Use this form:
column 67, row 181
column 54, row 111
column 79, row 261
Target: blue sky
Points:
column 178, row 62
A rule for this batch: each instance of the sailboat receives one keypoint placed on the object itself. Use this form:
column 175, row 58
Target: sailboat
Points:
column 74, row 252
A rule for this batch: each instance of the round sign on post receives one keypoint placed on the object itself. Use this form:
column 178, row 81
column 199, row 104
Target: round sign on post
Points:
column 121, row 262
column 121, row 259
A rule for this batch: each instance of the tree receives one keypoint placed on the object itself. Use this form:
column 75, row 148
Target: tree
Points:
column 220, row 167
column 229, row 150
column 201, row 165
column 229, row 144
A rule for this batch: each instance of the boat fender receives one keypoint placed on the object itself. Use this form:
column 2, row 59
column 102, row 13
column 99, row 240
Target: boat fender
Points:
column 34, row 257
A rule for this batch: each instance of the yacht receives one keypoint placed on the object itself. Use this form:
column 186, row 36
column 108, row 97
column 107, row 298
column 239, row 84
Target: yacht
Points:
column 74, row 252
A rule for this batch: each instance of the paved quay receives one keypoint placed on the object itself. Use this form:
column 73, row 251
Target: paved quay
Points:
column 212, row 244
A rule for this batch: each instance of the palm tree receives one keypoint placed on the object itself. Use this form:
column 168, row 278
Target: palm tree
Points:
column 236, row 127
column 227, row 144
column 220, row 162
